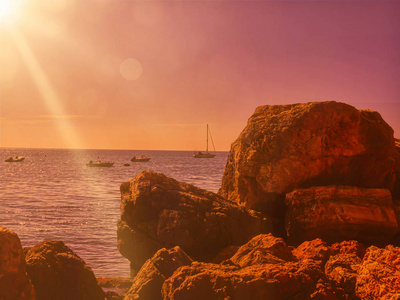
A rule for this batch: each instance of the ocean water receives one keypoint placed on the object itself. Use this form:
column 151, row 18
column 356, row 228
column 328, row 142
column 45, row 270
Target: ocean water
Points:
column 54, row 195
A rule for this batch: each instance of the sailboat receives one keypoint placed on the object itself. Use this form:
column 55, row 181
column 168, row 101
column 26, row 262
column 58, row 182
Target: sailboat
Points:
column 205, row 154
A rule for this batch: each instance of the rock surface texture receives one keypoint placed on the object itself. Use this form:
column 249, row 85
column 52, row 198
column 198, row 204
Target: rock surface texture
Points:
column 337, row 213
column 58, row 273
column 284, row 147
column 148, row 282
column 160, row 212
column 14, row 281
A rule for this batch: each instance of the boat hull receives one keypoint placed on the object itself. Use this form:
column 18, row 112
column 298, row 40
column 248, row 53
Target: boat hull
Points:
column 18, row 159
column 204, row 155
column 140, row 159
column 101, row 165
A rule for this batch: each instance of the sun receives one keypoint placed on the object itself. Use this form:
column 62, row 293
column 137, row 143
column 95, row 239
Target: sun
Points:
column 8, row 9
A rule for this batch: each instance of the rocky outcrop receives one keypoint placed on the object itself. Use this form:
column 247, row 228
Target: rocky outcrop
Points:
column 14, row 281
column 160, row 212
column 285, row 147
column 379, row 274
column 115, row 288
column 58, row 273
column 337, row 213
column 148, row 282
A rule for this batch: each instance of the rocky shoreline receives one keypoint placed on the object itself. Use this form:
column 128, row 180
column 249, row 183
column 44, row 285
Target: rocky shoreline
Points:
column 309, row 208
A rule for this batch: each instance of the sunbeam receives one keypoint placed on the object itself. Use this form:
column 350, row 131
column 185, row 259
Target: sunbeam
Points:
column 47, row 92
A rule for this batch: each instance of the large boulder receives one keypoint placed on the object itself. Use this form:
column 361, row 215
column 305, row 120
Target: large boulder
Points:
column 14, row 281
column 337, row 213
column 148, row 282
column 379, row 274
column 160, row 212
column 58, row 273
column 284, row 147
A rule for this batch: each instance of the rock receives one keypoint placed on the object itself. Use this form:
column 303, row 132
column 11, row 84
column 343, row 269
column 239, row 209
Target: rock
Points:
column 58, row 273
column 148, row 282
column 114, row 288
column 349, row 247
column 14, row 281
column 284, row 147
column 262, row 249
column 337, row 213
column 379, row 274
column 342, row 270
column 225, row 254
column 316, row 250
column 286, row 280
column 160, row 212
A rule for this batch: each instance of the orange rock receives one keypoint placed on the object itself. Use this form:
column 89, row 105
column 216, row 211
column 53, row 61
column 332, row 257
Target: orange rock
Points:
column 379, row 274
column 58, row 273
column 148, row 282
column 316, row 249
column 284, row 147
column 337, row 213
column 262, row 249
column 160, row 212
column 14, row 281
column 349, row 247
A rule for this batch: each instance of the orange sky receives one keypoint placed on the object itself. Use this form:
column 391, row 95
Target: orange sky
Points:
column 150, row 74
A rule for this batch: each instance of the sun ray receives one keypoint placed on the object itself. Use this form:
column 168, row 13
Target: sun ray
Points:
column 47, row 92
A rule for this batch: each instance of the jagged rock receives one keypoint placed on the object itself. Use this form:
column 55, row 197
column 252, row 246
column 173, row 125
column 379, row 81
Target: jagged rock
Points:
column 58, row 273
column 341, row 269
column 316, row 250
column 349, row 247
column 160, row 212
column 115, row 288
column 379, row 274
column 262, row 249
column 225, row 254
column 148, row 282
column 14, row 281
column 284, row 147
column 337, row 213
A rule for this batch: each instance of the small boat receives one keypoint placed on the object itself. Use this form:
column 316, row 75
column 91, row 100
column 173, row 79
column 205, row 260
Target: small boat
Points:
column 15, row 159
column 99, row 164
column 126, row 165
column 205, row 154
column 142, row 158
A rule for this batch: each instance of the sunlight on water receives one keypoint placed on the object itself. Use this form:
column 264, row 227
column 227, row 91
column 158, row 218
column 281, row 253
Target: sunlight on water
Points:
column 53, row 195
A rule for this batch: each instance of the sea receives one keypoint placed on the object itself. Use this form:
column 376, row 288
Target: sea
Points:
column 53, row 195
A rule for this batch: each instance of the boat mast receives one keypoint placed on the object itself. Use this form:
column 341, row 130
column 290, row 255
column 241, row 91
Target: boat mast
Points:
column 207, row 138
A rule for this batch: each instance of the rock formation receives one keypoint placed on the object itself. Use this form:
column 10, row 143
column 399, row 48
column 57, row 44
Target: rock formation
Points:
column 284, row 147
column 148, row 282
column 160, row 212
column 14, row 281
column 58, row 273
column 337, row 213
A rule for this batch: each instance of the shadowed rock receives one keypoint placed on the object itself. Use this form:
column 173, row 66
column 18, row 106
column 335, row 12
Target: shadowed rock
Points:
column 14, row 281
column 58, row 273
column 284, row 147
column 337, row 213
column 148, row 282
column 160, row 212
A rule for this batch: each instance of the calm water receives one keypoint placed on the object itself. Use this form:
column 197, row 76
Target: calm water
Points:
column 53, row 195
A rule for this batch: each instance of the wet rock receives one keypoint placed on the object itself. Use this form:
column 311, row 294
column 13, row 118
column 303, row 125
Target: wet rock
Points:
column 115, row 288
column 160, row 212
column 58, row 273
column 262, row 249
column 337, row 213
column 284, row 147
column 148, row 282
column 14, row 281
column 379, row 274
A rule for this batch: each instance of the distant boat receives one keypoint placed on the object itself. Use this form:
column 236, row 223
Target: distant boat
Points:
column 126, row 165
column 99, row 164
column 15, row 159
column 142, row 158
column 205, row 154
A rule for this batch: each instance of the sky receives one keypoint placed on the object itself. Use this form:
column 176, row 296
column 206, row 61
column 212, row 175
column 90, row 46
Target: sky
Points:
column 116, row 74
